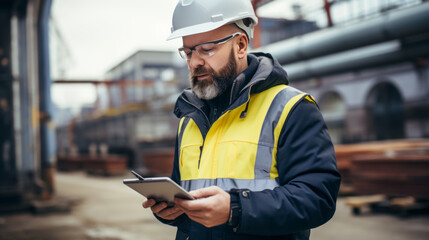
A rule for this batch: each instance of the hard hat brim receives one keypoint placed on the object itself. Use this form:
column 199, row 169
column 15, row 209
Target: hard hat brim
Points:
column 200, row 28
column 204, row 27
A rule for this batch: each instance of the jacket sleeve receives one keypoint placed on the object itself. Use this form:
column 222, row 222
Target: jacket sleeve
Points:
column 308, row 177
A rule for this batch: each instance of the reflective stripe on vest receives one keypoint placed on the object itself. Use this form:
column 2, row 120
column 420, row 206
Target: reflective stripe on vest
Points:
column 229, row 183
column 237, row 152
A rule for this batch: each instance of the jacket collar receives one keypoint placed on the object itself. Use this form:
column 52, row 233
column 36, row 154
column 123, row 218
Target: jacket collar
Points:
column 268, row 73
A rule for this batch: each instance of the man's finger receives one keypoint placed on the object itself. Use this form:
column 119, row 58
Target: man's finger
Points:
column 172, row 213
column 205, row 192
column 190, row 205
column 169, row 211
column 166, row 211
column 148, row 203
column 159, row 207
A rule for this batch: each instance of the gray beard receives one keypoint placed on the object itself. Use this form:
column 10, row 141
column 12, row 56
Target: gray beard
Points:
column 207, row 92
column 218, row 84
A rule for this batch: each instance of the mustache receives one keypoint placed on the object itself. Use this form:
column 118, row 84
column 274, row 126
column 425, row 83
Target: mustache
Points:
column 201, row 71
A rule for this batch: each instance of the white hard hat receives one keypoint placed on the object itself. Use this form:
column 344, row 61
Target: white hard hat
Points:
column 198, row 16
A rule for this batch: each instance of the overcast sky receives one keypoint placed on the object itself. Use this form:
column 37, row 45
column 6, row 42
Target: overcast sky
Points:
column 101, row 33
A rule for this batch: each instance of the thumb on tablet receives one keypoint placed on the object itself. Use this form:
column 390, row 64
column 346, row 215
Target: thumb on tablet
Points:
column 206, row 192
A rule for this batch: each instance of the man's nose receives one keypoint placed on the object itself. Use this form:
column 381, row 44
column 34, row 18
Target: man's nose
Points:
column 195, row 60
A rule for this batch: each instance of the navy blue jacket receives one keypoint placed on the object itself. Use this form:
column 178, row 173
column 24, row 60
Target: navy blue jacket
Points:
column 308, row 176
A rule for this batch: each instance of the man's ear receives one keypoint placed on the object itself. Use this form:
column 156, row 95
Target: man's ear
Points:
column 242, row 43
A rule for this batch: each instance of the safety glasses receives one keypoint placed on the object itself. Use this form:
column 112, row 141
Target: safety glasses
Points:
column 205, row 50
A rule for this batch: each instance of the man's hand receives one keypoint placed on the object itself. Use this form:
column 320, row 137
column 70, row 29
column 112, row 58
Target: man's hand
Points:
column 161, row 210
column 211, row 207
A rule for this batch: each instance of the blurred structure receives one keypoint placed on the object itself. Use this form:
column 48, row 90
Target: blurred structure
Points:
column 368, row 69
column 27, row 143
column 132, row 116
column 366, row 63
column 274, row 29
column 146, row 76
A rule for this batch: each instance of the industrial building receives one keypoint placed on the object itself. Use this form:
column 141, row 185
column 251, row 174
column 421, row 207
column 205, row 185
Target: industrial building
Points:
column 133, row 113
column 368, row 72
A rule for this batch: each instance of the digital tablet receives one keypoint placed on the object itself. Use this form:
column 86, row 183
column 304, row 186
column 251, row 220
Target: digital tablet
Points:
column 162, row 189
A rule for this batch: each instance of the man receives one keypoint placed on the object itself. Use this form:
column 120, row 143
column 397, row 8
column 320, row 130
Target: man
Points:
column 254, row 152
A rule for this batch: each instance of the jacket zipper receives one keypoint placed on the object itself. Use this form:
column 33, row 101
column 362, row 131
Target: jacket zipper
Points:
column 230, row 101
column 232, row 92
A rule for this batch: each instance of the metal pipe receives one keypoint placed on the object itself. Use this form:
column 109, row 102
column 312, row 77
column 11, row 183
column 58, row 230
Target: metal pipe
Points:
column 257, row 31
column 382, row 54
column 390, row 26
column 327, row 7
column 47, row 131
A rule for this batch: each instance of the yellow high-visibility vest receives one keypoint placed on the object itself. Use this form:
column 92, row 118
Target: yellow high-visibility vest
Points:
column 237, row 152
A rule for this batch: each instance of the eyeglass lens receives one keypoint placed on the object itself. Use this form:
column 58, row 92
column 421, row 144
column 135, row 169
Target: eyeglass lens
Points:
column 203, row 51
column 206, row 49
